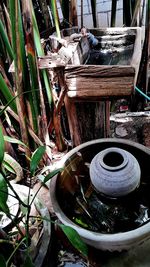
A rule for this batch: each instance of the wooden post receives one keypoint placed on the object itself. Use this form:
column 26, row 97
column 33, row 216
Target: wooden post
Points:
column 73, row 122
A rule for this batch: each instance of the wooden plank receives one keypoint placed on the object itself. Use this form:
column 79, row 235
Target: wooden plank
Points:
column 72, row 71
column 101, row 94
column 91, row 84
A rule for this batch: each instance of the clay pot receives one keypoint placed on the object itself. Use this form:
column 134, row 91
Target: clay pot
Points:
column 115, row 172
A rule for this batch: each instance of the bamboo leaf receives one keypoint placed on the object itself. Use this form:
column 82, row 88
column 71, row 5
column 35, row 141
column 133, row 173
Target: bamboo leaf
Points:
column 55, row 15
column 13, row 140
column 36, row 157
column 32, row 61
column 40, row 52
column 8, row 167
column 6, row 41
column 2, row 146
column 3, row 195
column 45, row 179
column 12, row 7
column 7, row 94
column 75, row 239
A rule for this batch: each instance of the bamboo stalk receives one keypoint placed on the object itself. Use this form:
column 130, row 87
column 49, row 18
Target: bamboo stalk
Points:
column 30, row 48
column 14, row 6
column 94, row 15
column 113, row 13
column 8, row 23
column 135, row 13
column 55, row 15
column 81, row 13
column 127, row 12
column 40, row 52
column 44, row 124
column 73, row 13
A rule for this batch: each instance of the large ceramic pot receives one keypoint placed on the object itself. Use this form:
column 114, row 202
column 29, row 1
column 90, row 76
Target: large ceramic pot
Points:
column 71, row 163
column 115, row 172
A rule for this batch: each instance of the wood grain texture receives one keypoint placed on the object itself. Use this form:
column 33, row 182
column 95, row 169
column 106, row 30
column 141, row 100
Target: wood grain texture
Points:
column 98, row 71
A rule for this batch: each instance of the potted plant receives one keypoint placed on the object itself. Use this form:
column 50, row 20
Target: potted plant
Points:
column 18, row 237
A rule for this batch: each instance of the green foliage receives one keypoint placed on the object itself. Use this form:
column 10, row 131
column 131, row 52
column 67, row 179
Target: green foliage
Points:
column 54, row 12
column 2, row 146
column 75, row 239
column 3, row 195
column 7, row 94
column 45, row 179
column 13, row 141
column 36, row 157
column 6, row 41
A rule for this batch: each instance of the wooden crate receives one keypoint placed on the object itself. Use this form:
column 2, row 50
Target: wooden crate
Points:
column 106, row 80
column 96, row 84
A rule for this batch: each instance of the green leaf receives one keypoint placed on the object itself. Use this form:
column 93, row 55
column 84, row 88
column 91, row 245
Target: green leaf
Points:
column 5, row 91
column 55, row 16
column 3, row 195
column 13, row 140
column 75, row 239
column 46, row 178
column 6, row 40
column 24, row 210
column 2, row 146
column 2, row 261
column 36, row 157
column 28, row 262
column 8, row 167
column 40, row 52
